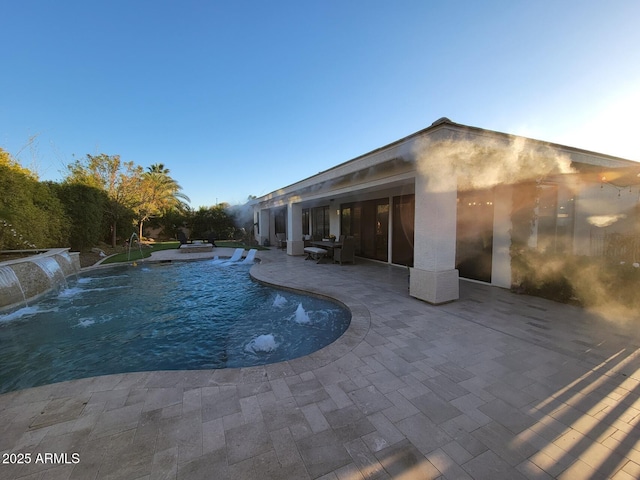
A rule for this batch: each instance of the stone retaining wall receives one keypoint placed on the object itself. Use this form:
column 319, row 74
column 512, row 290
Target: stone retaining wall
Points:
column 23, row 280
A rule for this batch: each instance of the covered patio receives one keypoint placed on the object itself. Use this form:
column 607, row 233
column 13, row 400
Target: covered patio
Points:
column 453, row 201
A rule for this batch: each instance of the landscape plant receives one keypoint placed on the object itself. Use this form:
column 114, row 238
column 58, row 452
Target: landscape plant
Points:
column 31, row 214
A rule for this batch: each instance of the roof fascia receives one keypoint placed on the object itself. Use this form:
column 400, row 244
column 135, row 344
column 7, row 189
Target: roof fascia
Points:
column 577, row 155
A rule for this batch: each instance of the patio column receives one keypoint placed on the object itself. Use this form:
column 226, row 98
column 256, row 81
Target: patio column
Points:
column 434, row 277
column 502, row 226
column 295, row 244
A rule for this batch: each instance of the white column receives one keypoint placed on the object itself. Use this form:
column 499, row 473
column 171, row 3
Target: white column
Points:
column 501, row 254
column 295, row 244
column 434, row 277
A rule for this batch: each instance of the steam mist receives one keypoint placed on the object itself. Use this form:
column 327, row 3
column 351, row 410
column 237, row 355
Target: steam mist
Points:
column 484, row 163
column 542, row 264
column 243, row 218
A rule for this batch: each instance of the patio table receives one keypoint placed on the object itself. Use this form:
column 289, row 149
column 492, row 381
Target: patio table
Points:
column 328, row 245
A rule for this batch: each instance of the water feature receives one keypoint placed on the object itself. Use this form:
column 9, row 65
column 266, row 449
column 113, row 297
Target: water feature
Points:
column 179, row 316
column 9, row 282
column 66, row 264
column 279, row 301
column 27, row 278
column 134, row 235
column 52, row 270
column 301, row 315
column 262, row 343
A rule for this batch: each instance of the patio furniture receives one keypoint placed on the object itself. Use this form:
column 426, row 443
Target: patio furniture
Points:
column 281, row 240
column 325, row 243
column 328, row 245
column 237, row 255
column 195, row 248
column 307, row 240
column 251, row 255
column 346, row 252
column 315, row 253
column 211, row 238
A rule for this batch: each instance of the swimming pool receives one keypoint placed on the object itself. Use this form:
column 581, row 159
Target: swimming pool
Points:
column 182, row 316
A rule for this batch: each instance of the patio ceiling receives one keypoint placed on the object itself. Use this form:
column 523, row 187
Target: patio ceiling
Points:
column 621, row 177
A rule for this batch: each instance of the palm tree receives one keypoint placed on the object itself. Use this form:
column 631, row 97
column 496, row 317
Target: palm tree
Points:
column 159, row 193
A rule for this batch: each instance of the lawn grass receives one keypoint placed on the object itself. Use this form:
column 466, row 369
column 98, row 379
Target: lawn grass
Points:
column 236, row 244
column 139, row 253
column 146, row 251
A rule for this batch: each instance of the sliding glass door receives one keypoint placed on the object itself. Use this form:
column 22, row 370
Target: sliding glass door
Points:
column 404, row 208
column 368, row 223
column 474, row 245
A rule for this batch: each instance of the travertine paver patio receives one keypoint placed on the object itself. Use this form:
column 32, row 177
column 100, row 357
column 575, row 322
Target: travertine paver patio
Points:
column 493, row 386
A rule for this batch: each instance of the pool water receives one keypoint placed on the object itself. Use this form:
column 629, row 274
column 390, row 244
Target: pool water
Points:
column 183, row 316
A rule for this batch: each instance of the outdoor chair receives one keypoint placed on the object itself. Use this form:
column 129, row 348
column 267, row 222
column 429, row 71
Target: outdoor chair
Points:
column 281, row 240
column 237, row 255
column 346, row 253
column 211, row 238
column 307, row 240
column 251, row 255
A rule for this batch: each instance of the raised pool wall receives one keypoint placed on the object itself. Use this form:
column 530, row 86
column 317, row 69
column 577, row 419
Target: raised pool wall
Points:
column 25, row 279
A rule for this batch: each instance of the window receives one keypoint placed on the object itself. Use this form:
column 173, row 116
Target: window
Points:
column 305, row 221
column 345, row 221
column 404, row 208
column 474, row 234
column 320, row 222
column 555, row 218
column 381, row 246
column 368, row 223
column 280, row 221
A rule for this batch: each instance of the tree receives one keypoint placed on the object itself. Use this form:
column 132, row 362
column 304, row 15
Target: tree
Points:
column 84, row 207
column 120, row 180
column 30, row 213
column 213, row 220
column 172, row 222
column 6, row 160
column 159, row 194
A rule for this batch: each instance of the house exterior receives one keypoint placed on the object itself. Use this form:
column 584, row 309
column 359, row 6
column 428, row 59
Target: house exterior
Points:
column 454, row 201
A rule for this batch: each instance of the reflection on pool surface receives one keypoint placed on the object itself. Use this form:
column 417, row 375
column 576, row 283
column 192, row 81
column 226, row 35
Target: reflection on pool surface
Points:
column 186, row 316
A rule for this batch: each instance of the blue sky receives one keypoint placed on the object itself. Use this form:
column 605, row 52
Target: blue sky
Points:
column 239, row 98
